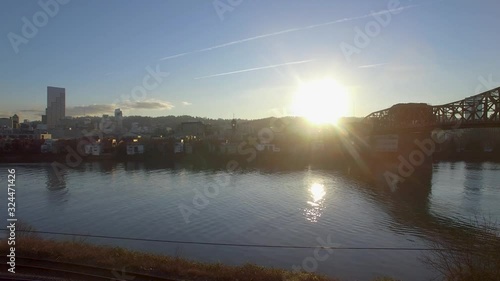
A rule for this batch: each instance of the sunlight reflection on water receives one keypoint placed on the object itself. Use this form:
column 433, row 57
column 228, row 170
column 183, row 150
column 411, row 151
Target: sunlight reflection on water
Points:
column 313, row 213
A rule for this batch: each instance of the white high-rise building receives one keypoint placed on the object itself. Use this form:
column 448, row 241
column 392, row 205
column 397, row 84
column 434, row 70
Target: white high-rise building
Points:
column 56, row 106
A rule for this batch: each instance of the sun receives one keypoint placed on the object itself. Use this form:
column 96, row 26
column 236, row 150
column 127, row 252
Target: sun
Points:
column 321, row 101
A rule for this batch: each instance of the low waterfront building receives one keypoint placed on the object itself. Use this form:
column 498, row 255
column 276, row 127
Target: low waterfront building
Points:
column 228, row 148
column 135, row 149
column 188, row 148
column 49, row 146
column 5, row 123
column 18, row 134
column 94, row 149
column 179, row 146
column 194, row 129
column 268, row 147
column 44, row 136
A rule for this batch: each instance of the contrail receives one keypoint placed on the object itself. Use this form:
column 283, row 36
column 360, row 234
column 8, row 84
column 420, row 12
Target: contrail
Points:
column 254, row 69
column 373, row 65
column 288, row 31
column 178, row 55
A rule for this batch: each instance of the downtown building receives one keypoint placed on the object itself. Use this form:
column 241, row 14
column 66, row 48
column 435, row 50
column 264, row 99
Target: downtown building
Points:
column 56, row 107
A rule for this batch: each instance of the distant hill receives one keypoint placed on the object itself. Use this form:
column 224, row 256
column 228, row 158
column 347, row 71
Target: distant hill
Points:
column 173, row 122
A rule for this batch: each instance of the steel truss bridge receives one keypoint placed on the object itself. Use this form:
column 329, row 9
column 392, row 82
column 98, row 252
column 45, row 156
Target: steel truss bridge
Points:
column 478, row 111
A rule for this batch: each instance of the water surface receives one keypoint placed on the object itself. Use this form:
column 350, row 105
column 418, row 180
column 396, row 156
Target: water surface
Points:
column 292, row 208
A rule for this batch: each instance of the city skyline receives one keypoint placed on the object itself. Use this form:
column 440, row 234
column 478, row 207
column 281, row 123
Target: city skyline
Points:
column 202, row 59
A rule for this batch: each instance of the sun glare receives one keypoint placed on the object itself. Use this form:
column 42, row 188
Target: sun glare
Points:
column 321, row 102
column 317, row 192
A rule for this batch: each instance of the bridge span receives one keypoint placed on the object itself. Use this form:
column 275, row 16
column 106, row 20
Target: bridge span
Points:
column 402, row 139
column 478, row 111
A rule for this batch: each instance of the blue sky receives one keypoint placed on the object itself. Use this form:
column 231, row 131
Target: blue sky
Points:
column 430, row 51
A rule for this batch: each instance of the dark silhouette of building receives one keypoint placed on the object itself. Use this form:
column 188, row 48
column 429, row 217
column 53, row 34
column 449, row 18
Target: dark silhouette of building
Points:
column 56, row 106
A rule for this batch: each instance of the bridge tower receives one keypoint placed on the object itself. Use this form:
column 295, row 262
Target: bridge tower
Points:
column 401, row 144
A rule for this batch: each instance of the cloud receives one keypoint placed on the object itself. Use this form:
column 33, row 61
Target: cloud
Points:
column 149, row 105
column 93, row 109
column 30, row 114
column 4, row 114
column 186, row 103
column 99, row 109
column 254, row 69
column 32, row 111
column 288, row 31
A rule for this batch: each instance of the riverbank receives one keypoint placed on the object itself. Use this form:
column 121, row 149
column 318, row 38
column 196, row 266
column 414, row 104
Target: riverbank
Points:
column 151, row 264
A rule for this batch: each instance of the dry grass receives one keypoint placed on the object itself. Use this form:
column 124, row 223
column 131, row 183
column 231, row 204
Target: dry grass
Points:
column 29, row 244
column 80, row 252
column 25, row 230
column 114, row 257
column 477, row 258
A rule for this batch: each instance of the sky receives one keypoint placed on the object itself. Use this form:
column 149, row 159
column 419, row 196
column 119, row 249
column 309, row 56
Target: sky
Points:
column 243, row 57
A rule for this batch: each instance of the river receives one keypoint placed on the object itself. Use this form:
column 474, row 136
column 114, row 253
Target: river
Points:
column 289, row 208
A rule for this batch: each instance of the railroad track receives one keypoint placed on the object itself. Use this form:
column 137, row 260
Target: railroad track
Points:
column 47, row 269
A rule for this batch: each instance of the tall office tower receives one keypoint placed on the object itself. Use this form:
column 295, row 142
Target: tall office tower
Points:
column 118, row 118
column 56, row 106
